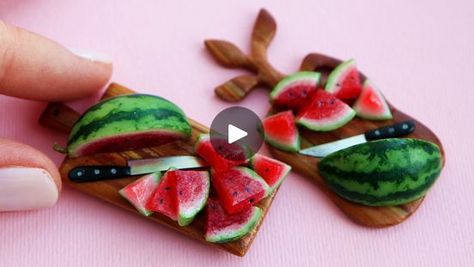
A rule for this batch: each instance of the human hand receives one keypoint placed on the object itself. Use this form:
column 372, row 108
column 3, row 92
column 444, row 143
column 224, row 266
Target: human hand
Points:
column 36, row 68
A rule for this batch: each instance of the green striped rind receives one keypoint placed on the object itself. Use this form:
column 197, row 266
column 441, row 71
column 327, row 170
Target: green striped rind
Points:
column 338, row 74
column 383, row 173
column 186, row 217
column 298, row 76
column 226, row 235
column 128, row 114
column 331, row 124
column 256, row 177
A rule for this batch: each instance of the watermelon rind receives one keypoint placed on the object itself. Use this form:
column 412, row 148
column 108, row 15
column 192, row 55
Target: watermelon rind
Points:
column 286, row 170
column 345, row 116
column 337, row 74
column 365, row 114
column 142, row 209
column 235, row 232
column 185, row 217
column 386, row 172
column 127, row 116
column 302, row 76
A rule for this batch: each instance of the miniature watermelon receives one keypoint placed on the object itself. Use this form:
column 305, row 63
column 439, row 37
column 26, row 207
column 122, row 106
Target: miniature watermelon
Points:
column 164, row 199
column 222, row 227
column 324, row 112
column 205, row 149
column 139, row 192
column 293, row 91
column 181, row 195
column 239, row 188
column 344, row 82
column 127, row 122
column 386, row 172
column 280, row 131
column 193, row 189
column 371, row 104
column 271, row 170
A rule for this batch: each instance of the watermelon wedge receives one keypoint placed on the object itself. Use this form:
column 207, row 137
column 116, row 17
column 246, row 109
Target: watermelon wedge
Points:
column 344, row 82
column 293, row 91
column 164, row 199
column 280, row 131
column 204, row 148
column 271, row 170
column 324, row 112
column 140, row 191
column 193, row 189
column 239, row 188
column 222, row 227
column 371, row 104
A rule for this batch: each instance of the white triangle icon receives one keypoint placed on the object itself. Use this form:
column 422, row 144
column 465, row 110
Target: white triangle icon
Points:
column 235, row 134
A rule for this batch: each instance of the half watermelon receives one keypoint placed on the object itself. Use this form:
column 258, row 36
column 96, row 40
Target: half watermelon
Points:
column 371, row 104
column 344, row 82
column 280, row 131
column 324, row 112
column 293, row 91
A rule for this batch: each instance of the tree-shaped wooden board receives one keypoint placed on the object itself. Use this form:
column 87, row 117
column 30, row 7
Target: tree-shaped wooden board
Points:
column 263, row 74
column 60, row 117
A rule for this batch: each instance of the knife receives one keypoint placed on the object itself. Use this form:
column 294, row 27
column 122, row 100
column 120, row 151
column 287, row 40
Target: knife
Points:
column 135, row 167
column 395, row 130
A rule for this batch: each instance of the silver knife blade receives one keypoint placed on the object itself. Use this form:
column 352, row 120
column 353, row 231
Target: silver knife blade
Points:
column 142, row 166
column 328, row 148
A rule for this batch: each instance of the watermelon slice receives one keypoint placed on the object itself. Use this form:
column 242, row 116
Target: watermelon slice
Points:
column 293, row 91
column 371, row 104
column 324, row 112
column 164, row 199
column 239, row 188
column 205, row 149
column 140, row 191
column 280, row 131
column 193, row 189
column 344, row 81
column 222, row 227
column 271, row 170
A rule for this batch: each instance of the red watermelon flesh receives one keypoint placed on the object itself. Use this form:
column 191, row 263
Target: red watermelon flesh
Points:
column 222, row 227
column 280, row 131
column 371, row 104
column 293, row 91
column 205, row 149
column 239, row 188
column 192, row 189
column 324, row 112
column 344, row 81
column 164, row 199
column 271, row 170
column 140, row 191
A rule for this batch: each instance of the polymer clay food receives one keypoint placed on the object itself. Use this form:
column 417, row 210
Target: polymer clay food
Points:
column 280, row 131
column 371, row 104
column 127, row 122
column 293, row 91
column 383, row 173
column 205, row 149
column 344, row 82
column 271, row 170
column 140, row 191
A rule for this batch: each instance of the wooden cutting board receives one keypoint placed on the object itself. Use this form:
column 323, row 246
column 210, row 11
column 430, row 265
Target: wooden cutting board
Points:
column 265, row 75
column 61, row 117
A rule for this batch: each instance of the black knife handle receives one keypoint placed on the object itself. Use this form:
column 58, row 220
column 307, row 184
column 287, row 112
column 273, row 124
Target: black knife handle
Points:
column 98, row 173
column 395, row 130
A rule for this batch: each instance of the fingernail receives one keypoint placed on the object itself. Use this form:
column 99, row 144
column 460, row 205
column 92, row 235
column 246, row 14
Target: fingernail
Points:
column 92, row 56
column 24, row 188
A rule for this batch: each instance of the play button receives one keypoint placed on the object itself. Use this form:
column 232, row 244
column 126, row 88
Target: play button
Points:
column 235, row 133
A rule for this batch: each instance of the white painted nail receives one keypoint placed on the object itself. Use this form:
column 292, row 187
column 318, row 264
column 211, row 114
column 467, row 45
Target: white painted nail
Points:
column 24, row 188
column 90, row 55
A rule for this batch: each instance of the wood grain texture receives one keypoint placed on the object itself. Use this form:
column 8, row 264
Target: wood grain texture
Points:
column 262, row 35
column 61, row 117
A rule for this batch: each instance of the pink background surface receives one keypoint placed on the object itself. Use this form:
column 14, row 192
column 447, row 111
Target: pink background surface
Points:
column 419, row 52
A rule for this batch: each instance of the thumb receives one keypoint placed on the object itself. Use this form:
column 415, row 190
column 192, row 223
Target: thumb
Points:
column 34, row 67
column 28, row 178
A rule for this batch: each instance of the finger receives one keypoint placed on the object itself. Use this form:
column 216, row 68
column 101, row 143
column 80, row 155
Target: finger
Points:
column 28, row 178
column 34, row 67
